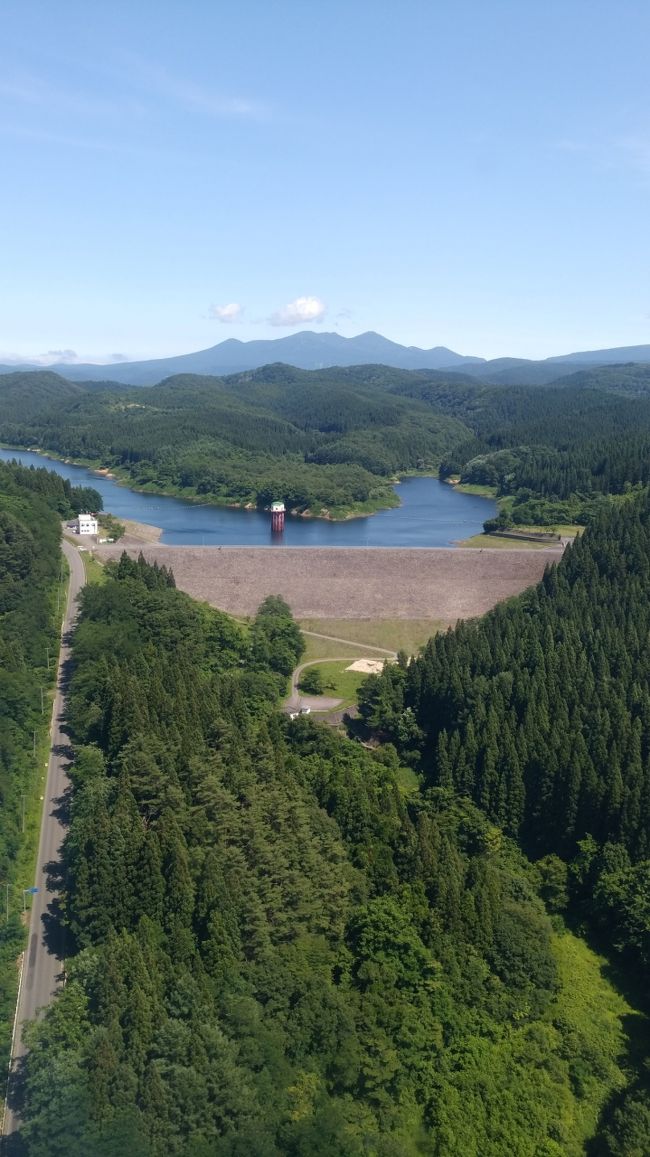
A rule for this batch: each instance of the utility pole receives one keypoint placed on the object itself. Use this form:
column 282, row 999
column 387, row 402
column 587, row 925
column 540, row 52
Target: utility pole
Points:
column 42, row 704
column 23, row 810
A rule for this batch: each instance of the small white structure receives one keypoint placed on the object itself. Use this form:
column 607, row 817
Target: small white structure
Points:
column 86, row 524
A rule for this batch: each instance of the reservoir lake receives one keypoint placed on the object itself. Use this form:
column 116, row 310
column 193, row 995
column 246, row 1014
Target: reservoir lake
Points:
column 432, row 513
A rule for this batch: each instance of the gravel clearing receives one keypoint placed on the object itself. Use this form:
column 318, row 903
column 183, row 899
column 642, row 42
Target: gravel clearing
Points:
column 368, row 666
column 321, row 582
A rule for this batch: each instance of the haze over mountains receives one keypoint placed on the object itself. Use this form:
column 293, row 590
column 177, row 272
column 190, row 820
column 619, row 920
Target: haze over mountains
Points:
column 310, row 350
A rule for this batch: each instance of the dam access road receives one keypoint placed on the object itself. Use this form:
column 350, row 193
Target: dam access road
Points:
column 43, row 964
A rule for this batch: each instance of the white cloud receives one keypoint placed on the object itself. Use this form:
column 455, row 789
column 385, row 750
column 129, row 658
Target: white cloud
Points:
column 299, row 311
column 62, row 355
column 228, row 314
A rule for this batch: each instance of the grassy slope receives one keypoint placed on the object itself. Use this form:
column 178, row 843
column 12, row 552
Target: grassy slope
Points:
column 494, row 542
column 328, row 649
column 393, row 634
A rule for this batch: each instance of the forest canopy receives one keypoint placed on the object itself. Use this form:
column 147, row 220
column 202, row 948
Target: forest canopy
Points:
column 330, row 441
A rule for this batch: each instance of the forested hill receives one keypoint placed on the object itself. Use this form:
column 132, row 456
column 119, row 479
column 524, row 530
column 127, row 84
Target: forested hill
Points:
column 553, row 453
column 331, row 440
column 541, row 710
column 321, row 444
column 540, row 714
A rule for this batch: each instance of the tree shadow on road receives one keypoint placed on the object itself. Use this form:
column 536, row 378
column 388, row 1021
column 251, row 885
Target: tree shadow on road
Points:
column 14, row 1144
column 56, row 936
column 62, row 805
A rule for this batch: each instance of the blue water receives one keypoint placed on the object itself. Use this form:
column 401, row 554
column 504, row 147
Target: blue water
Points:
column 432, row 514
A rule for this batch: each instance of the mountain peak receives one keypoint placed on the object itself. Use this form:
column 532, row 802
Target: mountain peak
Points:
column 314, row 350
column 306, row 350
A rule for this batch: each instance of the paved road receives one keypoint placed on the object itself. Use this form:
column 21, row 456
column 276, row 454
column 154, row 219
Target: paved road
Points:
column 43, row 963
column 295, row 700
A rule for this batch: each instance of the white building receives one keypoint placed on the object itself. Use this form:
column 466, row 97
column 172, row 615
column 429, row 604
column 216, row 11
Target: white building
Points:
column 86, row 524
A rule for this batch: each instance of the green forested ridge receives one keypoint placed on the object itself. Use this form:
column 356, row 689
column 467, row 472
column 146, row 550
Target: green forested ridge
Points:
column 58, row 493
column 317, row 442
column 278, row 950
column 554, row 452
column 31, row 504
column 330, row 440
column 540, row 713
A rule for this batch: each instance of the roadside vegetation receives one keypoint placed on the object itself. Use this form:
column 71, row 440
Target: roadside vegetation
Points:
column 93, row 569
column 33, row 582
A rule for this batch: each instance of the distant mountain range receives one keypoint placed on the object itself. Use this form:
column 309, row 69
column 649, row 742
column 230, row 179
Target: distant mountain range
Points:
column 309, row 351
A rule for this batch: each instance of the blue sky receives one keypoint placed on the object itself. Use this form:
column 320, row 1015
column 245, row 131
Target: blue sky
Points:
column 473, row 173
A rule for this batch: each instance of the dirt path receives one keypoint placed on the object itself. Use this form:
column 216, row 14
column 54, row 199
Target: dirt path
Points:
column 295, row 701
column 350, row 643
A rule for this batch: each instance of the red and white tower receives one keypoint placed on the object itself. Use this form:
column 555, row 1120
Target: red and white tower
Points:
column 277, row 517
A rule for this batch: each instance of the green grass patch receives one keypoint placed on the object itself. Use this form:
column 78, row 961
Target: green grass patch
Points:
column 329, row 649
column 494, row 542
column 596, row 1022
column 566, row 529
column 95, row 572
column 392, row 634
column 340, row 683
column 476, row 488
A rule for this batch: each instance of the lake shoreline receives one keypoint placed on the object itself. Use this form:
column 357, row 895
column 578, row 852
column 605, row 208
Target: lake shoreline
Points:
column 121, row 478
column 424, row 513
